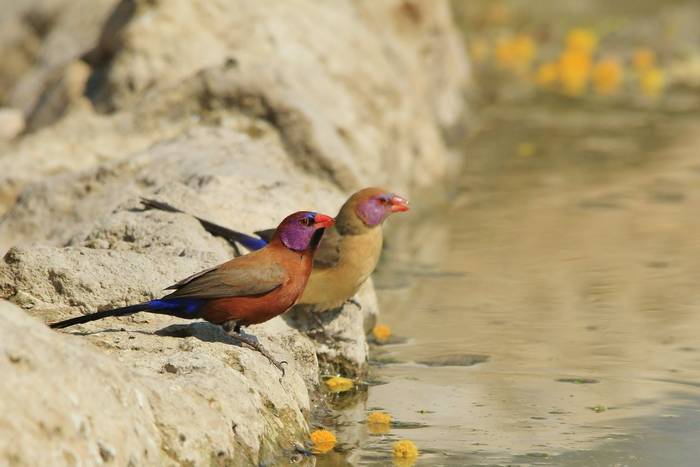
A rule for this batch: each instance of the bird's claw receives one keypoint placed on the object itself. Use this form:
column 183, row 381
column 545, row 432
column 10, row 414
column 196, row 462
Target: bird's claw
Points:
column 255, row 344
column 354, row 302
column 280, row 365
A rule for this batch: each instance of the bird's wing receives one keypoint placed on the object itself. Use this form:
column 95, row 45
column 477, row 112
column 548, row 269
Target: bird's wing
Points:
column 266, row 234
column 329, row 251
column 233, row 279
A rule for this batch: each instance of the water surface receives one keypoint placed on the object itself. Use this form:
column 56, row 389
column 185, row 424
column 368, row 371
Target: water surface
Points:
column 549, row 298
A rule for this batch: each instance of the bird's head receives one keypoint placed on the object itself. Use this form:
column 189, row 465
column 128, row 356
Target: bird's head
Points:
column 303, row 229
column 373, row 205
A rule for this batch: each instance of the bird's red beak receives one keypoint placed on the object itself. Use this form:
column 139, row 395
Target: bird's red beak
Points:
column 323, row 221
column 399, row 204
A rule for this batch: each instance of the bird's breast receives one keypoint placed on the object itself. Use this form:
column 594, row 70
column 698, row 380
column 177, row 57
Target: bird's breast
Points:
column 330, row 287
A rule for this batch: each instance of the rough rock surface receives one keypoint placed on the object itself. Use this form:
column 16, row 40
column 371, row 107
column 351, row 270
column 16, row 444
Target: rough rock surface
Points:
column 238, row 111
column 122, row 396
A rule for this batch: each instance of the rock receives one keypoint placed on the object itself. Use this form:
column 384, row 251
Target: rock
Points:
column 51, row 35
column 216, row 172
column 360, row 96
column 114, row 402
column 341, row 345
column 11, row 123
column 237, row 111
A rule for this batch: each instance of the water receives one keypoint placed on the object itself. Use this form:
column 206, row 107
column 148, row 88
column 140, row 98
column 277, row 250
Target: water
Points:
column 549, row 303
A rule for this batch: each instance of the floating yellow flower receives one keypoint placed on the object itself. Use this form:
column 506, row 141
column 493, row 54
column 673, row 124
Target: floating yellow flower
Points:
column 643, row 59
column 652, row 82
column 582, row 40
column 525, row 48
column 339, row 384
column 505, row 53
column 607, row 76
column 515, row 54
column 526, row 149
column 405, row 449
column 574, row 71
column 479, row 50
column 547, row 74
column 378, row 422
column 323, row 441
column 381, row 332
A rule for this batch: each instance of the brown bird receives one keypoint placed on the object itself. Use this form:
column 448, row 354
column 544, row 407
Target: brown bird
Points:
column 348, row 254
column 246, row 290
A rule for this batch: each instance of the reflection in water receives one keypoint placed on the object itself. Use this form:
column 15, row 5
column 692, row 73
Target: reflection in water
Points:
column 550, row 302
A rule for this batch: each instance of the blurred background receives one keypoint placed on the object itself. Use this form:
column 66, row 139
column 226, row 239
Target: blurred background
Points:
column 540, row 304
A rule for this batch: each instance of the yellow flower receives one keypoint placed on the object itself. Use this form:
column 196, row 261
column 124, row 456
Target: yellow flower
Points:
column 505, row 53
column 547, row 74
column 607, row 76
column 651, row 82
column 574, row 71
column 479, row 50
column 339, row 384
column 323, row 441
column 378, row 422
column 582, row 40
column 405, row 449
column 515, row 54
column 643, row 59
column 381, row 332
column 524, row 49
column 526, row 149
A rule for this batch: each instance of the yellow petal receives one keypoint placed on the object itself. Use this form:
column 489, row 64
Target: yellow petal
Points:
column 526, row 149
column 405, row 449
column 607, row 76
column 323, row 441
column 574, row 71
column 652, row 82
column 582, row 40
column 644, row 59
column 339, row 384
column 378, row 422
column 547, row 74
column 381, row 332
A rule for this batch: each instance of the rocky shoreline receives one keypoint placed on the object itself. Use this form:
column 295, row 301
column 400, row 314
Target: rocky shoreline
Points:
column 240, row 115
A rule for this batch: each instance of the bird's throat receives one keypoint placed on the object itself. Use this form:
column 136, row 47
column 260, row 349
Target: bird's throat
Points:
column 316, row 239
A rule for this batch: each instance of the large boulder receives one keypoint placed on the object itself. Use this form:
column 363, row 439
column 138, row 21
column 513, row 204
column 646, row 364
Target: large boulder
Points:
column 238, row 111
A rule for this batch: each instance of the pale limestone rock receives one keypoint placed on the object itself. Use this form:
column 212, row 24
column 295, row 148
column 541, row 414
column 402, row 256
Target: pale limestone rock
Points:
column 238, row 111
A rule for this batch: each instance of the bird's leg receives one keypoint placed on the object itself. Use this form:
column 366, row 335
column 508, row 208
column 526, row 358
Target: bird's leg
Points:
column 233, row 329
column 319, row 322
column 236, row 250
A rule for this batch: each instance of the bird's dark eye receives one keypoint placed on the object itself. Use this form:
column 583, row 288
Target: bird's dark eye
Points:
column 305, row 221
column 383, row 199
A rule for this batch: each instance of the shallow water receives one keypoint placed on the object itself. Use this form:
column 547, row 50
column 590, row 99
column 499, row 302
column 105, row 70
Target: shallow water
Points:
column 580, row 288
column 549, row 303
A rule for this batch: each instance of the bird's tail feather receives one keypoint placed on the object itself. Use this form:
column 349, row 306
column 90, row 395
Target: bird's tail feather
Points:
column 127, row 310
column 232, row 236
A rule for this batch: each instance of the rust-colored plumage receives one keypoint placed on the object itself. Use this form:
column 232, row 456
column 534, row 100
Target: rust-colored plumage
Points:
column 246, row 290
column 348, row 254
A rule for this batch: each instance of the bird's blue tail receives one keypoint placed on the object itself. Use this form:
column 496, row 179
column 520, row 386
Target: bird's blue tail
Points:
column 180, row 307
column 232, row 236
column 127, row 310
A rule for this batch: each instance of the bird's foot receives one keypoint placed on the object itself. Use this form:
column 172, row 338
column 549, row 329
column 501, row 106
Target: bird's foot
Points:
column 354, row 302
column 253, row 342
